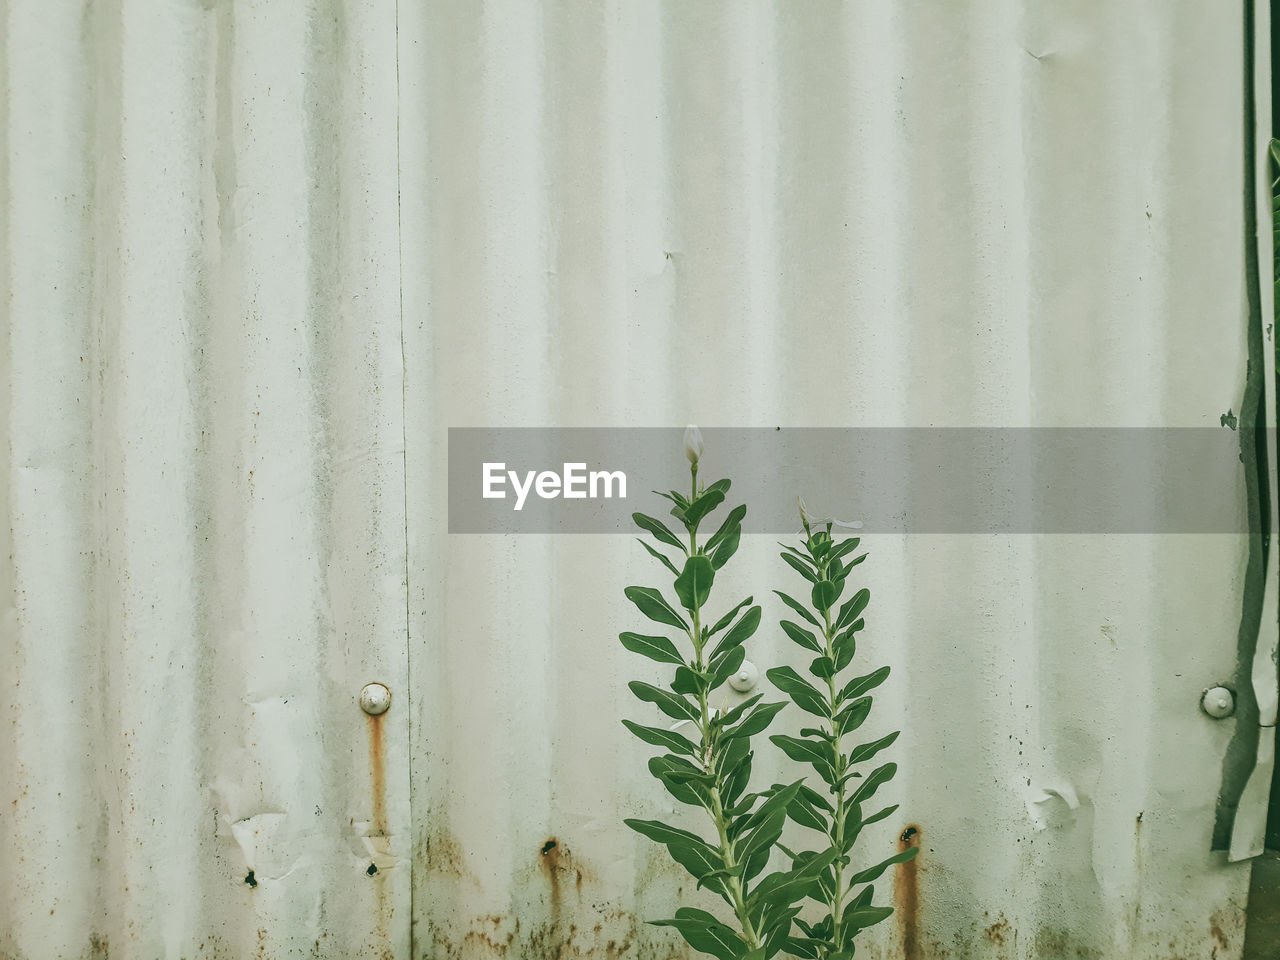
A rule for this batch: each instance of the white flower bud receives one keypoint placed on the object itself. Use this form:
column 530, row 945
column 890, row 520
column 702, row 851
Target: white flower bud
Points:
column 693, row 443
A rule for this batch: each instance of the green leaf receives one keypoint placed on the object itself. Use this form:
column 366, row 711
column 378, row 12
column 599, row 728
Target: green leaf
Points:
column 731, row 716
column 790, row 886
column 659, row 530
column 844, row 547
column 824, row 594
column 817, row 799
column 764, row 827
column 740, row 632
column 735, row 782
column 727, row 665
column 707, row 501
column 822, row 668
column 799, row 608
column 806, row 751
column 843, row 646
column 663, row 738
column 732, row 521
column 759, row 719
column 690, row 681
column 730, row 757
column 868, row 750
column 727, row 618
column 801, row 636
column 698, row 857
column 880, row 815
column 863, row 899
column 853, row 607
column 706, row 934
column 803, row 947
column 853, row 715
column 651, row 603
column 714, row 875
column 860, row 685
column 762, row 835
column 801, row 567
column 726, row 548
column 799, row 689
column 677, row 708
column 680, row 770
column 803, row 812
column 756, row 863
column 879, row 776
column 675, row 496
column 871, row 873
column 655, row 648
column 694, row 794
column 662, row 832
column 816, row 733
column 787, row 548
column 860, row 919
column 852, row 827
column 720, row 486
column 694, row 584
column 776, row 925
column 654, row 553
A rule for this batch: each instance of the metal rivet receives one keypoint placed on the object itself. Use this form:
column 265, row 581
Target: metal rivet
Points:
column 375, row 699
column 746, row 677
column 1218, row 702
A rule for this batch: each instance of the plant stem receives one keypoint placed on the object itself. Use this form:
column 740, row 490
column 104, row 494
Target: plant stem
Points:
column 838, row 820
column 837, row 903
column 734, row 884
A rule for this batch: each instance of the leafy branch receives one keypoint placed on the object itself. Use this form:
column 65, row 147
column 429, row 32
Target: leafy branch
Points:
column 841, row 707
column 712, row 771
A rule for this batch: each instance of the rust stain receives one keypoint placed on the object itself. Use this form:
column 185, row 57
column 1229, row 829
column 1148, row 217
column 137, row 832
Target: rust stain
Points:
column 444, row 854
column 377, row 776
column 551, row 859
column 1054, row 942
column 603, row 933
column 996, row 932
column 378, row 826
column 1220, row 938
column 906, row 895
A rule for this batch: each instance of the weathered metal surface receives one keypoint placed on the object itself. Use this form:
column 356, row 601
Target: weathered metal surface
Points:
column 831, row 214
column 203, row 492
column 223, row 441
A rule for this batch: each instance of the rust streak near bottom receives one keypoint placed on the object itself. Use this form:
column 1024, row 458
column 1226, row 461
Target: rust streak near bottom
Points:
column 377, row 777
column 906, row 896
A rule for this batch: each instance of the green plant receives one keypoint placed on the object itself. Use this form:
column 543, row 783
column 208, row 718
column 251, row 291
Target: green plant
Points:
column 712, row 770
column 841, row 706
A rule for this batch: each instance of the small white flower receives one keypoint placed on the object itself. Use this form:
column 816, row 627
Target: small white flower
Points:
column 693, row 443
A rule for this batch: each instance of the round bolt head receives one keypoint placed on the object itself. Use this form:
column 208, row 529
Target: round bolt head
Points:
column 746, row 677
column 1218, row 702
column 375, row 699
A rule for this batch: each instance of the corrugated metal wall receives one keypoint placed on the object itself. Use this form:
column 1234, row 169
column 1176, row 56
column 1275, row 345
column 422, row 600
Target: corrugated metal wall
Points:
column 205, row 485
column 261, row 256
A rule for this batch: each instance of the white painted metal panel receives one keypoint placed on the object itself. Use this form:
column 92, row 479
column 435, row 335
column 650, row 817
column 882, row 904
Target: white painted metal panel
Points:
column 203, row 491
column 611, row 214
column 629, row 214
